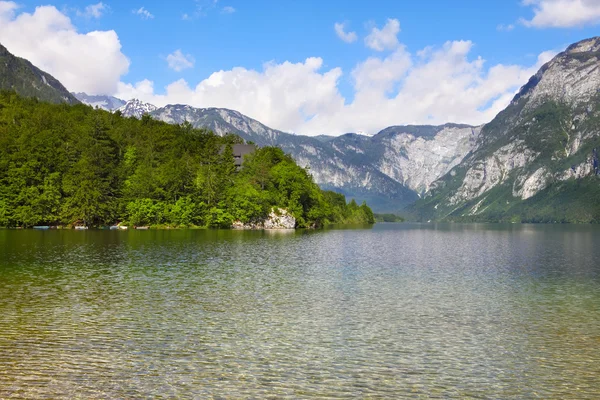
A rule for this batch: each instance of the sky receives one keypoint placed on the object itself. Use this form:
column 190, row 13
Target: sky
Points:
column 309, row 67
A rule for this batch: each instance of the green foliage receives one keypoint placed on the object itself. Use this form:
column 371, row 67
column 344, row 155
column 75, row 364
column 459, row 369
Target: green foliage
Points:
column 218, row 217
column 64, row 165
column 247, row 202
column 388, row 218
column 270, row 179
column 143, row 212
column 350, row 213
column 183, row 212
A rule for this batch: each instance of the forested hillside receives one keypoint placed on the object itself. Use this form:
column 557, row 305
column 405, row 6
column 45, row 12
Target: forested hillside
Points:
column 64, row 165
column 26, row 79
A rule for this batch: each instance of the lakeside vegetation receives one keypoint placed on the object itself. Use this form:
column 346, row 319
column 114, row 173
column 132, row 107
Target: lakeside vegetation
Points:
column 388, row 218
column 73, row 165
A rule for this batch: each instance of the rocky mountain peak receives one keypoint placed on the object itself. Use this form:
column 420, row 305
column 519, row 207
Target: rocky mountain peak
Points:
column 137, row 108
column 590, row 45
column 572, row 77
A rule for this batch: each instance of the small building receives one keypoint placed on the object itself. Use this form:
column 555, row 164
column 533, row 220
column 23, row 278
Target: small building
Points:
column 239, row 151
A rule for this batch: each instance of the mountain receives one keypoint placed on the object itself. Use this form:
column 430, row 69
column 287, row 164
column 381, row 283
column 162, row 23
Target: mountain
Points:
column 389, row 170
column 414, row 156
column 537, row 161
column 136, row 108
column 27, row 80
column 108, row 103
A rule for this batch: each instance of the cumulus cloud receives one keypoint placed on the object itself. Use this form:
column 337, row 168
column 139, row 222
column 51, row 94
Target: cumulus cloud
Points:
column 340, row 30
column 93, row 11
column 228, row 10
column 385, row 38
column 282, row 95
column 142, row 12
column 563, row 13
column 433, row 86
column 91, row 62
column 178, row 61
column 436, row 86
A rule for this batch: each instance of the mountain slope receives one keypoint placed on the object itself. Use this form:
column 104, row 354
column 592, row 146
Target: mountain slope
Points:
column 538, row 159
column 29, row 81
column 107, row 103
column 415, row 156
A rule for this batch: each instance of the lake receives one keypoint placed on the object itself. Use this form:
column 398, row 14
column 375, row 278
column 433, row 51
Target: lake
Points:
column 397, row 311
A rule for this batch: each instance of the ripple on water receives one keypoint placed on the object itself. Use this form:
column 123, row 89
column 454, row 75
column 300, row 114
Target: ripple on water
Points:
column 447, row 311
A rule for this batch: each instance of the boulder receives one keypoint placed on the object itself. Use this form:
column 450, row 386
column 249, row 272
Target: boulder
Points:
column 277, row 219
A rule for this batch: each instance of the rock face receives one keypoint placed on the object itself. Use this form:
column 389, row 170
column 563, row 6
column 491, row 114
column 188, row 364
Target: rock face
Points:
column 29, row 81
column 417, row 160
column 277, row 219
column 388, row 170
column 527, row 161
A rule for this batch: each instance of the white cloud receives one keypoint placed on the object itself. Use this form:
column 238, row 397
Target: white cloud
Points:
column 142, row 12
column 378, row 76
column 282, row 95
column 563, row 13
column 385, row 38
column 228, row 10
column 505, row 28
column 340, row 30
column 93, row 11
column 179, row 61
column 7, row 9
column 91, row 62
column 204, row 7
column 433, row 86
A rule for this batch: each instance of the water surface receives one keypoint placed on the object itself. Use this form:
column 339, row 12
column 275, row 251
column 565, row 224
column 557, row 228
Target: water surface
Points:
column 397, row 311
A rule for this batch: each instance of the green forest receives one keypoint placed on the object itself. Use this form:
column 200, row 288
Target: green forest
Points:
column 63, row 165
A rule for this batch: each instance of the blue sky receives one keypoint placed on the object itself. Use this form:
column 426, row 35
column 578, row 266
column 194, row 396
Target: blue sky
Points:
column 388, row 60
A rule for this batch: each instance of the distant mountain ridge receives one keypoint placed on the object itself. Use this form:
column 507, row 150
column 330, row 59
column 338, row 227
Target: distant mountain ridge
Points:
column 27, row 80
column 107, row 103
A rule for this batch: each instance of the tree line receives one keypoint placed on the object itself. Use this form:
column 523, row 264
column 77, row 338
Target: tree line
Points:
column 68, row 165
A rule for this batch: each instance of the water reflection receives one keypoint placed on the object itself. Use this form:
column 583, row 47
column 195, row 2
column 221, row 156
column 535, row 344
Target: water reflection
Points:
column 400, row 310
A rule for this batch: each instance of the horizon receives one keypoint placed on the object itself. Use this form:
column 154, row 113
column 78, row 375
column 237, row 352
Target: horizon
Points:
column 353, row 69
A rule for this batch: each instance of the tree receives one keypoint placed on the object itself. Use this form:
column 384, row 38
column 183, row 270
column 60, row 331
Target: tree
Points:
column 62, row 164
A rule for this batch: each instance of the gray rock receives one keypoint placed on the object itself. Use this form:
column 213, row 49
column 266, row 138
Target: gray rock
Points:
column 277, row 220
